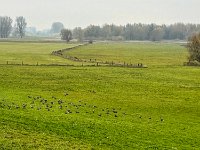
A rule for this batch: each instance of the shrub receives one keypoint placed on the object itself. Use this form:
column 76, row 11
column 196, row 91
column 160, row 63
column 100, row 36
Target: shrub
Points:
column 194, row 48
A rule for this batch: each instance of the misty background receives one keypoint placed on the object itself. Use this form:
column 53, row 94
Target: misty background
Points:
column 41, row 14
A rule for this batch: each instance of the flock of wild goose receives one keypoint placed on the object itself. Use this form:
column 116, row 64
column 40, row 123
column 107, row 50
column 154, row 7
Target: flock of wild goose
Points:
column 64, row 106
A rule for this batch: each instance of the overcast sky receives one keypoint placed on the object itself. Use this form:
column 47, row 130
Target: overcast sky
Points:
column 72, row 13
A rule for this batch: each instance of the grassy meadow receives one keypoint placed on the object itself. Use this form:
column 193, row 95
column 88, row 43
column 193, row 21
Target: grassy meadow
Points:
column 31, row 53
column 151, row 54
column 59, row 107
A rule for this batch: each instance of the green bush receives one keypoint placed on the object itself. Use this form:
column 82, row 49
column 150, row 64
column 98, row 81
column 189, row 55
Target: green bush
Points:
column 194, row 48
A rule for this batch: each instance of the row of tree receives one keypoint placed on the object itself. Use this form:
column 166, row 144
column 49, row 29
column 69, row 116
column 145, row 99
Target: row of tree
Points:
column 135, row 31
column 139, row 31
column 6, row 26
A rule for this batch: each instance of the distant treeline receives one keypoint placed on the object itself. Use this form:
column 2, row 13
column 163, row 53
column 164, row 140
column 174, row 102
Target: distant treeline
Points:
column 137, row 31
column 152, row 32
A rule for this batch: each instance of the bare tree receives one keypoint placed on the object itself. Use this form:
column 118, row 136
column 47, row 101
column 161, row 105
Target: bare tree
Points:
column 5, row 26
column 21, row 26
column 78, row 34
column 66, row 35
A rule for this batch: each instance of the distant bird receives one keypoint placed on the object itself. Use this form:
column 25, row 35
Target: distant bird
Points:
column 24, row 106
column 115, row 115
column 42, row 101
column 114, row 111
column 161, row 119
column 52, row 103
column 3, row 105
column 66, row 94
column 60, row 101
column 53, row 97
column 68, row 111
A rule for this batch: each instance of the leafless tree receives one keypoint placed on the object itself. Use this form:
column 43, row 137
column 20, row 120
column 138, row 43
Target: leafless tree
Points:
column 21, row 26
column 5, row 26
column 78, row 34
column 66, row 35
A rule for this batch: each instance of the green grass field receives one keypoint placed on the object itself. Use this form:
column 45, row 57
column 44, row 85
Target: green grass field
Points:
column 56, row 107
column 151, row 54
column 31, row 53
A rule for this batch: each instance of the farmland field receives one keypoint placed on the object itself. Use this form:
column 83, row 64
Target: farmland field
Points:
column 152, row 54
column 75, row 107
column 31, row 53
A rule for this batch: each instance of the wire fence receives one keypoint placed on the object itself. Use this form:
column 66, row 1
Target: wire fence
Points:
column 83, row 64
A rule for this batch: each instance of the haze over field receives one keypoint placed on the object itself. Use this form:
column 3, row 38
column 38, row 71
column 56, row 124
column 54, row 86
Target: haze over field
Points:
column 41, row 13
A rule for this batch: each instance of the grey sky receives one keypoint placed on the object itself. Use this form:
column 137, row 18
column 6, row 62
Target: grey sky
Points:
column 41, row 13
